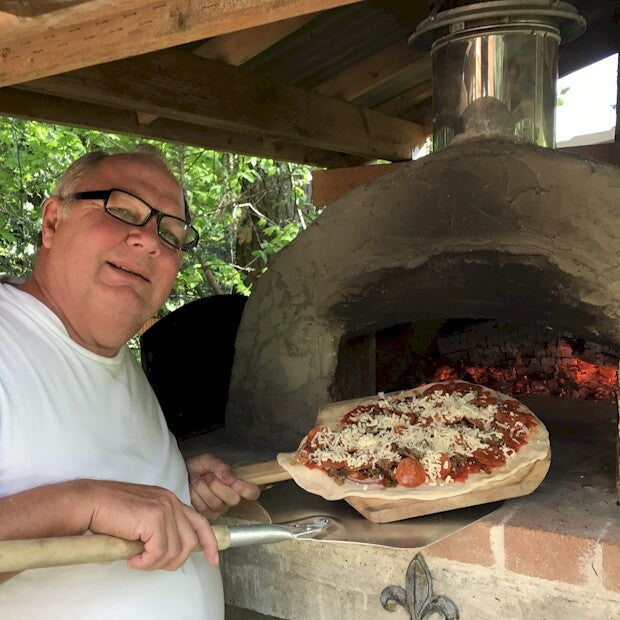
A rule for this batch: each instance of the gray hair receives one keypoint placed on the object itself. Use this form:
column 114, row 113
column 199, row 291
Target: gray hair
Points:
column 69, row 180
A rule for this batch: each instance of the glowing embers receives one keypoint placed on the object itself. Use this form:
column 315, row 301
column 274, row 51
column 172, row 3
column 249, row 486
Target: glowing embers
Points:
column 512, row 359
column 567, row 378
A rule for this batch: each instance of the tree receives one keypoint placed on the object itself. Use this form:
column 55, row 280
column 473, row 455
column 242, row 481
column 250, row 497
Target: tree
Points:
column 245, row 208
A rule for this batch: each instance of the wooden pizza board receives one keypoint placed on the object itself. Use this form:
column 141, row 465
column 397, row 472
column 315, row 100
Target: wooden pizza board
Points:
column 522, row 482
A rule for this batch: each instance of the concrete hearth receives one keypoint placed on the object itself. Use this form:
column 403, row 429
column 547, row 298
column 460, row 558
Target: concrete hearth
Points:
column 481, row 229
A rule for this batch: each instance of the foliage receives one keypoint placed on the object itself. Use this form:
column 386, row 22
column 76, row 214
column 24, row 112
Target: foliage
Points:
column 220, row 188
column 560, row 98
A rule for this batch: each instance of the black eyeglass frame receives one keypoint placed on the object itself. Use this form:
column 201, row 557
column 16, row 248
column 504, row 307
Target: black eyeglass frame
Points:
column 105, row 194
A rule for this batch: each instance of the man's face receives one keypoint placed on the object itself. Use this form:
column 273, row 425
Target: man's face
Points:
column 103, row 275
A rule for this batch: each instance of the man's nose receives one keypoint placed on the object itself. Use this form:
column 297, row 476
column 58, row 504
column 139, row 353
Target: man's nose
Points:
column 145, row 236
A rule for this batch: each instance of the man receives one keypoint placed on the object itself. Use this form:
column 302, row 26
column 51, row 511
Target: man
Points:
column 83, row 442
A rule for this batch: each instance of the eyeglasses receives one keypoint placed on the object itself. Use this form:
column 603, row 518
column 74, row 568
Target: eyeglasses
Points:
column 130, row 209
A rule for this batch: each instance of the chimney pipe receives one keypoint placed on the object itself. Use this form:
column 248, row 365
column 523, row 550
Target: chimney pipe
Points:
column 495, row 68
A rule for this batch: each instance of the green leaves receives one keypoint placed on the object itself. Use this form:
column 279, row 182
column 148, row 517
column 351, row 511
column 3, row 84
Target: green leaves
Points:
column 245, row 208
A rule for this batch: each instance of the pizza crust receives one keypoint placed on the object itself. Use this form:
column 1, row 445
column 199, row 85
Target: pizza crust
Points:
column 318, row 482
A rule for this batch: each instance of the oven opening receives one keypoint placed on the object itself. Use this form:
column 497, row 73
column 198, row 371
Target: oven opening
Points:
column 568, row 381
column 513, row 359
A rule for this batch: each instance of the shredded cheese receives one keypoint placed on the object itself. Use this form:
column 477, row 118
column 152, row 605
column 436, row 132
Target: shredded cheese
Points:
column 430, row 426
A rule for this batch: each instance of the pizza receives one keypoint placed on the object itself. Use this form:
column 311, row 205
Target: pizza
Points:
column 434, row 441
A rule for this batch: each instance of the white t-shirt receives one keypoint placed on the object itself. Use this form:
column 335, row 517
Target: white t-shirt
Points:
column 67, row 413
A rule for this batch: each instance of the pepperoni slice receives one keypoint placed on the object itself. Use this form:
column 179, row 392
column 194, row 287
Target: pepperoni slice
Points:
column 308, row 447
column 510, row 418
column 484, row 399
column 514, row 438
column 349, row 417
column 410, row 473
column 490, row 458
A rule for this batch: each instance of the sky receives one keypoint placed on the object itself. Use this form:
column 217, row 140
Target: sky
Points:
column 588, row 104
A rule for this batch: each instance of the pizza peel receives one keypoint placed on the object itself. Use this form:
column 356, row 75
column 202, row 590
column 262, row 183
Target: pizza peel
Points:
column 522, row 482
column 333, row 525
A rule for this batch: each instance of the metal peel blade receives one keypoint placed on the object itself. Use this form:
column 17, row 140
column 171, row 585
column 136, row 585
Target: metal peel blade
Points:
column 244, row 535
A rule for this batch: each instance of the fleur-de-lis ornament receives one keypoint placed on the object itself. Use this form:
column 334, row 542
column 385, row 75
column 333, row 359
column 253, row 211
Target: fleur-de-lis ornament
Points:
column 417, row 596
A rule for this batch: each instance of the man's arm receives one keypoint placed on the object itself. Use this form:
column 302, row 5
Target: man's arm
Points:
column 22, row 516
column 168, row 528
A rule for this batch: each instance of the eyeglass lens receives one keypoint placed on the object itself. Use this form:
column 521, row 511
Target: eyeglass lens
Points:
column 132, row 210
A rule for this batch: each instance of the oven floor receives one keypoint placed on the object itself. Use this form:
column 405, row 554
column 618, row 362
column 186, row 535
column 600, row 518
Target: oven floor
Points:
column 583, row 436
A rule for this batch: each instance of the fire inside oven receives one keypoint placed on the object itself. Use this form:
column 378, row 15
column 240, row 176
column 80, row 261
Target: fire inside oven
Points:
column 570, row 382
column 512, row 359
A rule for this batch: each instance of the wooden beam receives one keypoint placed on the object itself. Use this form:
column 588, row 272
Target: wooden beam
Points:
column 99, row 31
column 401, row 104
column 144, row 118
column 329, row 185
column 370, row 73
column 235, row 48
column 33, row 106
column 182, row 87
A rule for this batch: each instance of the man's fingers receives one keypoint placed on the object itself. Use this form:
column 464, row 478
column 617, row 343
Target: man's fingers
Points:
column 155, row 548
column 215, row 494
column 214, row 487
column 207, row 463
column 247, row 490
column 170, row 542
column 225, row 475
column 181, row 539
column 169, row 529
column 204, row 535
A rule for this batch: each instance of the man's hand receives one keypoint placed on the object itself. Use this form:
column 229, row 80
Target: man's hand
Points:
column 168, row 528
column 213, row 486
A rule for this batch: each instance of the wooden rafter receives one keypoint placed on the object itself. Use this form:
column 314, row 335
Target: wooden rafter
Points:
column 369, row 73
column 35, row 106
column 399, row 105
column 235, row 48
column 99, row 31
column 179, row 86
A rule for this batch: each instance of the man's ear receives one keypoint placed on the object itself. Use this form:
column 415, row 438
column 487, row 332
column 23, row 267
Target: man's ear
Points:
column 52, row 214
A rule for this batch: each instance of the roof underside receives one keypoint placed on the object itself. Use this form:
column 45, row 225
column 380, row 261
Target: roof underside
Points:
column 326, row 82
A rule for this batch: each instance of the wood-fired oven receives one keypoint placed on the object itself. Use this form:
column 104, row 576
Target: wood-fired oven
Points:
column 495, row 259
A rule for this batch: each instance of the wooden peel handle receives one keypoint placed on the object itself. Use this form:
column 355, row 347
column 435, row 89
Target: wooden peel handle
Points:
column 18, row 555
column 262, row 473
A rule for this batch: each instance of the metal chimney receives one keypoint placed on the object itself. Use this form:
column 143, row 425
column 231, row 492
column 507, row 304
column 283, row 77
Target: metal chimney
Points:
column 495, row 68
